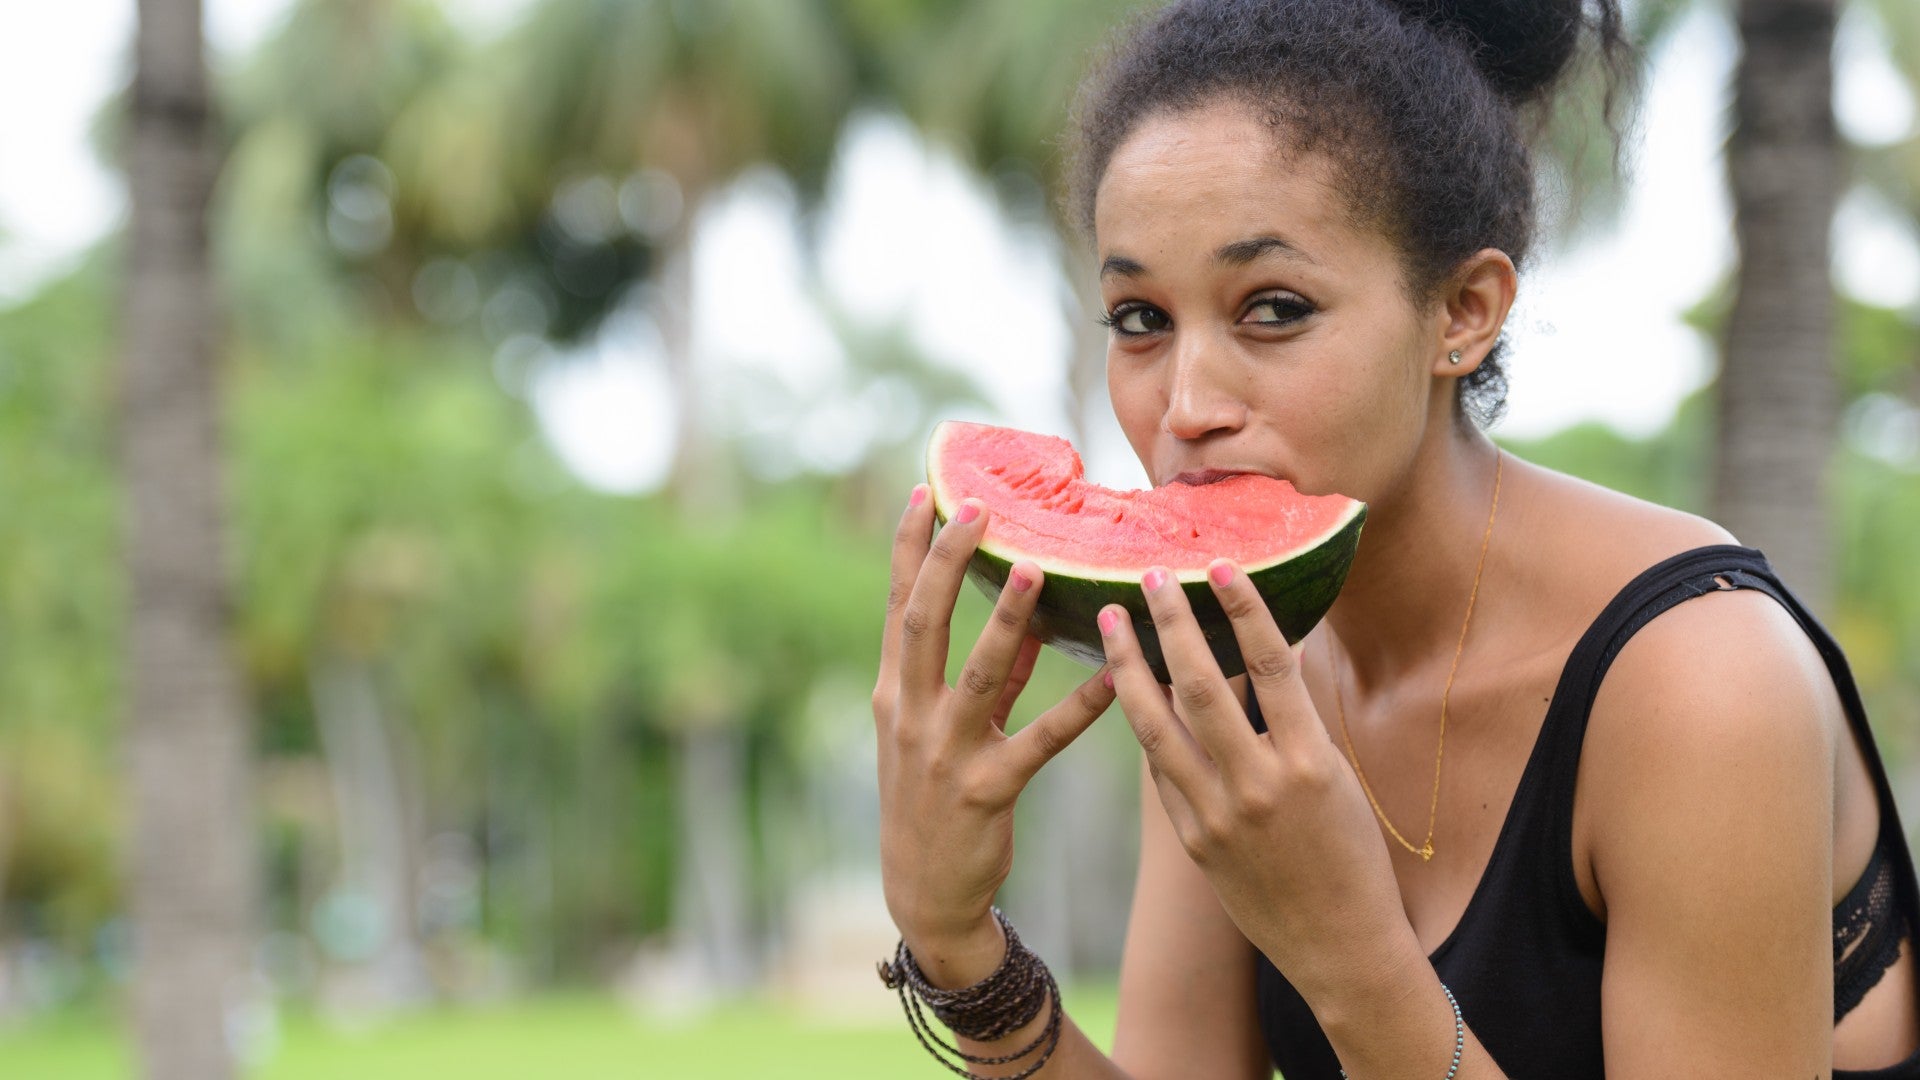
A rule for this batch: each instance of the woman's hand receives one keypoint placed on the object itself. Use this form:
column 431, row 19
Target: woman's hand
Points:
column 1276, row 820
column 949, row 772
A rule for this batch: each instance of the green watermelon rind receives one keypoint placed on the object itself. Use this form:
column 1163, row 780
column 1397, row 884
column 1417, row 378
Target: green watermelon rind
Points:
column 1298, row 589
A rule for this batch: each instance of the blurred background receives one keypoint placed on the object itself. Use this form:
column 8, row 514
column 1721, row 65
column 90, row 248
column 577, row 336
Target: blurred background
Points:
column 566, row 364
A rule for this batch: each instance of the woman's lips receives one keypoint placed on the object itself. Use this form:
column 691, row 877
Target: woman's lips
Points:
column 1208, row 476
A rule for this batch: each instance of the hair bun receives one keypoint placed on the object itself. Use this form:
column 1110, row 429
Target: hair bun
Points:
column 1520, row 45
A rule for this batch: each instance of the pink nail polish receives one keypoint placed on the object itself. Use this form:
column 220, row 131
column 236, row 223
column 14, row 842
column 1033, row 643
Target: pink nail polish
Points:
column 1153, row 579
column 1107, row 678
column 1222, row 575
column 966, row 513
column 1109, row 622
column 919, row 496
column 1019, row 581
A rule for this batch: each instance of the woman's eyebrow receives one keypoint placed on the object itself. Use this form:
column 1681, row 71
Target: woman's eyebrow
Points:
column 1238, row 253
column 1242, row 252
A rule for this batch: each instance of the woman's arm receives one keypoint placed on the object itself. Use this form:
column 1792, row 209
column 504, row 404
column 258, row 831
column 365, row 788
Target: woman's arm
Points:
column 1187, row 977
column 1707, row 794
column 1186, row 980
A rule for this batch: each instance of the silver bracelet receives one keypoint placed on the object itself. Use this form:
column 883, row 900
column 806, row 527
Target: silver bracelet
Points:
column 1459, row 1036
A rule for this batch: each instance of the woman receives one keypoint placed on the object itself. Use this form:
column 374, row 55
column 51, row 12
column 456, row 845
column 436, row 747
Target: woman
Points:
column 1565, row 785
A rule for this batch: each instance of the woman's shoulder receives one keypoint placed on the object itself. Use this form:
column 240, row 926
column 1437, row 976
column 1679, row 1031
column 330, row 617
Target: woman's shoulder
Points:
column 1608, row 529
column 1710, row 701
column 1606, row 539
column 1575, row 545
column 1709, row 657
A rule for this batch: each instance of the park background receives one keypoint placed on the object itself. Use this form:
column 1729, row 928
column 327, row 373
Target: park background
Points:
column 570, row 362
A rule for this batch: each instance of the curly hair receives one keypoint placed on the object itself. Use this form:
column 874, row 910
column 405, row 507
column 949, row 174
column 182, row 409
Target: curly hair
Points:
column 1425, row 108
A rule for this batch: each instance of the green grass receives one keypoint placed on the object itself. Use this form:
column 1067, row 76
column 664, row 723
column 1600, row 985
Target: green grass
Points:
column 562, row 1038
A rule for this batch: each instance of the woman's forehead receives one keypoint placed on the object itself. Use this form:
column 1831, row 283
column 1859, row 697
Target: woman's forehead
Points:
column 1189, row 184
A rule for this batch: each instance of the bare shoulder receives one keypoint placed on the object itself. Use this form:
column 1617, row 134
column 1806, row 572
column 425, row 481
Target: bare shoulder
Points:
column 1576, row 544
column 1717, row 651
column 1726, row 673
column 1612, row 527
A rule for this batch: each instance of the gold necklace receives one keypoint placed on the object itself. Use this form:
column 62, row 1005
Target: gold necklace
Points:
column 1425, row 850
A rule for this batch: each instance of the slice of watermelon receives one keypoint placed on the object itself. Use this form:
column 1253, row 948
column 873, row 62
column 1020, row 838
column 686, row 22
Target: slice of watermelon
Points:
column 1093, row 542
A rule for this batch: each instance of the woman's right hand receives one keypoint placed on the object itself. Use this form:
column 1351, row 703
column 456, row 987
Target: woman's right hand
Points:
column 949, row 772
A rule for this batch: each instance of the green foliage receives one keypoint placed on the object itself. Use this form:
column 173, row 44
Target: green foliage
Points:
column 61, row 605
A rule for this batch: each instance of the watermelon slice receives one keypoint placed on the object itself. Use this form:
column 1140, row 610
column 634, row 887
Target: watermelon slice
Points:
column 1093, row 542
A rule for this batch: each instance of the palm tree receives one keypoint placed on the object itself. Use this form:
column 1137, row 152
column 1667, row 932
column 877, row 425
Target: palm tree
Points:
column 187, row 725
column 1777, row 394
column 694, row 94
column 684, row 98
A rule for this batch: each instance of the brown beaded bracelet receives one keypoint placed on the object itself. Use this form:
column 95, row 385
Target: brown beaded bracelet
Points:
column 993, row 1008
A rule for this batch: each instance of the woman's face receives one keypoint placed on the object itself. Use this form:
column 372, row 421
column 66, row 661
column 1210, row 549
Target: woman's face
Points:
column 1253, row 329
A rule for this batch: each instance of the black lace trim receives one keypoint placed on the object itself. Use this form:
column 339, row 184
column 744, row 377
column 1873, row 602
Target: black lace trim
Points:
column 1867, row 931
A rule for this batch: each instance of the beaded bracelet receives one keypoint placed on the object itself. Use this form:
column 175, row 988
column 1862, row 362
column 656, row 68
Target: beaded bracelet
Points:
column 993, row 1008
column 1459, row 1036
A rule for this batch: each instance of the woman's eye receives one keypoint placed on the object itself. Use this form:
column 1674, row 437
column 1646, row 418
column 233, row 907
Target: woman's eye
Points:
column 1130, row 319
column 1279, row 310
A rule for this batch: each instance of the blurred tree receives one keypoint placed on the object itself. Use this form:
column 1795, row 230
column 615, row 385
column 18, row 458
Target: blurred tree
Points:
column 1778, row 409
column 188, row 731
column 670, row 102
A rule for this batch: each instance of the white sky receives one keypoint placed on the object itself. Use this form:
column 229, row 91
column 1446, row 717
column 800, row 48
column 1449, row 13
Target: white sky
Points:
column 910, row 236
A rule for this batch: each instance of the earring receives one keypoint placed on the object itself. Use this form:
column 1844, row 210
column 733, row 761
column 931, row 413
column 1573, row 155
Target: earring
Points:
column 1453, row 357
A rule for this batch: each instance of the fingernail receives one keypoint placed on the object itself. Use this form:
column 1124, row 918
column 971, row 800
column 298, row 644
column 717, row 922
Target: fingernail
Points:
column 1222, row 575
column 1109, row 622
column 919, row 496
column 1106, row 677
column 1020, row 582
column 966, row 513
column 1154, row 579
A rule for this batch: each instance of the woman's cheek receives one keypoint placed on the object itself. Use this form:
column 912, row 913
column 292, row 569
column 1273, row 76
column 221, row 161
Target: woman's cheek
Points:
column 1135, row 408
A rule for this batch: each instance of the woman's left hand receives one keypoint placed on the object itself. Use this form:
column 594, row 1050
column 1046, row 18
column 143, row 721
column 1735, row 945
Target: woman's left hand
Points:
column 1276, row 820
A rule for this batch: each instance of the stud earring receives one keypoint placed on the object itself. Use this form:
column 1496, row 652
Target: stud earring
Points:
column 1453, row 357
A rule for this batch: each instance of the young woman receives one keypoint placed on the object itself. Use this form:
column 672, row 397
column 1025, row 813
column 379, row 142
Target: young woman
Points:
column 1566, row 784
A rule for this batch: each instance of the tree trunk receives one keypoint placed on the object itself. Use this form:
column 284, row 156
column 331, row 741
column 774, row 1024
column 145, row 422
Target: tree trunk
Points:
column 711, row 906
column 188, row 738
column 1779, row 414
column 375, row 792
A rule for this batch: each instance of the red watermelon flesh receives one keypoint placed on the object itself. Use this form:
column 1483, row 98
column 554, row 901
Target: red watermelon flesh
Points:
column 1044, row 508
column 1093, row 542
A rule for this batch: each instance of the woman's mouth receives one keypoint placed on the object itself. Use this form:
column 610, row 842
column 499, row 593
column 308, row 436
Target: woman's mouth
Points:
column 1207, row 476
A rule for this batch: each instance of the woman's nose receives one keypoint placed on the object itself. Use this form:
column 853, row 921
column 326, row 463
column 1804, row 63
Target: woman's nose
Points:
column 1203, row 397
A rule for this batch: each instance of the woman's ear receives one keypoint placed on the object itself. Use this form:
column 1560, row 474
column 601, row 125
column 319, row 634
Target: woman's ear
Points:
column 1474, row 307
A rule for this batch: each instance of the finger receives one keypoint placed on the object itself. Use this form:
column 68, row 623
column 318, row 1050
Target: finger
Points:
column 1179, row 812
column 1201, row 694
column 1052, row 731
column 1273, row 668
column 925, row 625
column 910, row 542
column 1169, row 747
column 983, row 678
column 1017, row 681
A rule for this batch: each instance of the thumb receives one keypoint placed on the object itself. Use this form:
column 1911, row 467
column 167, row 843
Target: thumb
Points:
column 1051, row 731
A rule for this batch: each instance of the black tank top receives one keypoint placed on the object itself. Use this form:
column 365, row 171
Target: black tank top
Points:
column 1524, row 961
